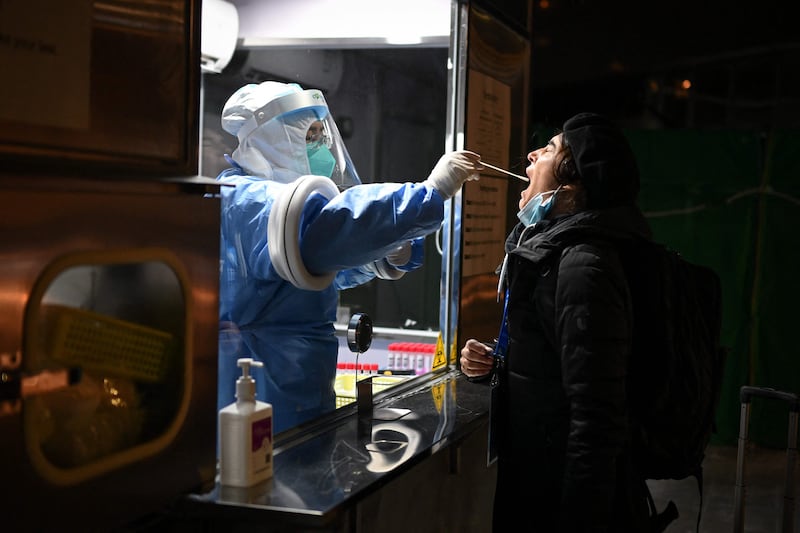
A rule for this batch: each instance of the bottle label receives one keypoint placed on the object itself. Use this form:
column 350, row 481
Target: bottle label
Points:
column 262, row 444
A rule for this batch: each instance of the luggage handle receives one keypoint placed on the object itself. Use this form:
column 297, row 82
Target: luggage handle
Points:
column 746, row 393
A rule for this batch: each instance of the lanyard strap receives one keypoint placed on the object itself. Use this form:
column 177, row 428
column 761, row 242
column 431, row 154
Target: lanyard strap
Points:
column 502, row 338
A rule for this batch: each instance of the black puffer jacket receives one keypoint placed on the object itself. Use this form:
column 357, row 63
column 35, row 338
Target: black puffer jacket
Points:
column 561, row 417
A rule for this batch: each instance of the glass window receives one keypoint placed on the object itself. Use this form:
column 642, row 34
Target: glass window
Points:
column 116, row 330
column 390, row 107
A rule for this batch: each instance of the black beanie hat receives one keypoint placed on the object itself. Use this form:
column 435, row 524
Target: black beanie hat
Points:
column 604, row 160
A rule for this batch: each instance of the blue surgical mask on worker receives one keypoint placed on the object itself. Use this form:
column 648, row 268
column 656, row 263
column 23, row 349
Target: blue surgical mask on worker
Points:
column 320, row 159
column 537, row 208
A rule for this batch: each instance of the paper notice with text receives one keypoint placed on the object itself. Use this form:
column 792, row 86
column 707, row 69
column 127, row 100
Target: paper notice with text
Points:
column 45, row 56
column 484, row 214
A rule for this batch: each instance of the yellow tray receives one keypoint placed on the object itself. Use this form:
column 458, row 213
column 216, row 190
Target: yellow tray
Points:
column 345, row 385
column 99, row 343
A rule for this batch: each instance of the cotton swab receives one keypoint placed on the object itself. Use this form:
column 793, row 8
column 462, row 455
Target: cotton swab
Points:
column 498, row 169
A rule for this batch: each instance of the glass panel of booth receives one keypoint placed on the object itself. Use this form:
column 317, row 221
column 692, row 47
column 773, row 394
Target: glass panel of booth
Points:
column 115, row 325
column 391, row 106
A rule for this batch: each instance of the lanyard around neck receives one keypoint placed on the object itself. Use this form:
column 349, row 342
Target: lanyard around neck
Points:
column 501, row 347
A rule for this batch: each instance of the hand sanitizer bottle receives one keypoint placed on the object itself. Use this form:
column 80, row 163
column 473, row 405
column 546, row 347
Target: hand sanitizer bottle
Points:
column 245, row 434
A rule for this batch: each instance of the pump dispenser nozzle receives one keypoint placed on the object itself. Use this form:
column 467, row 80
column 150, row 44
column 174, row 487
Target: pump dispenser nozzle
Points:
column 246, row 385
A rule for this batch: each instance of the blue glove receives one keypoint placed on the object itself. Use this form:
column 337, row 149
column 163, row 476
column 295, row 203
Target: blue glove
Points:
column 408, row 256
column 404, row 258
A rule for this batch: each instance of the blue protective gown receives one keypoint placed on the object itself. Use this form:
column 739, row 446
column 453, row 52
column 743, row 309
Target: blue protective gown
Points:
column 291, row 330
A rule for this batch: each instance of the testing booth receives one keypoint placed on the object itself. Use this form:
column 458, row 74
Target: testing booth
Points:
column 109, row 301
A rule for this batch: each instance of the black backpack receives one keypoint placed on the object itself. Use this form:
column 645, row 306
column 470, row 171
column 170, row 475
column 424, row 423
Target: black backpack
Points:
column 676, row 367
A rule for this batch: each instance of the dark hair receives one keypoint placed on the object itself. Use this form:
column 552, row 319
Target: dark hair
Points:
column 566, row 173
column 565, row 170
column 603, row 160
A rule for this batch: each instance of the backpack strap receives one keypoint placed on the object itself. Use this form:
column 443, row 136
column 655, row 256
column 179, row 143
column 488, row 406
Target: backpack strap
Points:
column 699, row 477
column 660, row 521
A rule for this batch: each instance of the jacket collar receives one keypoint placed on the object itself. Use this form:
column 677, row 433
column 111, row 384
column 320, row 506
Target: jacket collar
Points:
column 539, row 241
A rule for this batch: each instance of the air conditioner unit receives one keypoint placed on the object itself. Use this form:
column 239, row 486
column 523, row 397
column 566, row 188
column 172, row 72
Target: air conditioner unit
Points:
column 219, row 34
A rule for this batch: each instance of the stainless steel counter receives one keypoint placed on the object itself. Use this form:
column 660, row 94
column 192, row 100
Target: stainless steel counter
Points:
column 320, row 475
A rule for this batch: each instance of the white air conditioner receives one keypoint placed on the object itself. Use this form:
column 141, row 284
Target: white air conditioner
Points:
column 219, row 34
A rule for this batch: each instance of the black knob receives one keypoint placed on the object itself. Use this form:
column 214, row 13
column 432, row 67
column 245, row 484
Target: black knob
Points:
column 359, row 333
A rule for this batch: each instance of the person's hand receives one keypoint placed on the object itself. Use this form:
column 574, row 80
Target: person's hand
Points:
column 452, row 170
column 400, row 255
column 476, row 359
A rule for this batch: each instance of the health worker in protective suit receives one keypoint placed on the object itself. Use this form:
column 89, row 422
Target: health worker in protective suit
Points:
column 297, row 225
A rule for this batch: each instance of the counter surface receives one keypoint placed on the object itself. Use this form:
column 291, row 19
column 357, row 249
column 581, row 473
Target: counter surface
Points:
column 319, row 474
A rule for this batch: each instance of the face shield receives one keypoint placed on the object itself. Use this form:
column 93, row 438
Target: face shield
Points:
column 292, row 136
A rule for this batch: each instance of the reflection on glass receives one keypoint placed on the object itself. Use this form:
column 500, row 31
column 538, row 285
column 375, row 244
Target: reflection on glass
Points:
column 393, row 443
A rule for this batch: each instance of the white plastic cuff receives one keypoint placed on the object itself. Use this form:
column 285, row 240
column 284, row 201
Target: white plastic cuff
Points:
column 283, row 232
column 386, row 271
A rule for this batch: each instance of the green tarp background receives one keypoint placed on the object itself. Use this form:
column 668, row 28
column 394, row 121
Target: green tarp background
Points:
column 731, row 200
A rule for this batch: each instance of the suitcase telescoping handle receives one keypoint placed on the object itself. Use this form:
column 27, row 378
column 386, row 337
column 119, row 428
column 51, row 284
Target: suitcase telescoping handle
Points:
column 746, row 394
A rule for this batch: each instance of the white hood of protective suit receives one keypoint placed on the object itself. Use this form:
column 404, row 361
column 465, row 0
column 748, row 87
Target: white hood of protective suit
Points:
column 276, row 149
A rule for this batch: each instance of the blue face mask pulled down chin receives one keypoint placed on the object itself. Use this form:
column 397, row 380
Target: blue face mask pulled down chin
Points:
column 320, row 160
column 537, row 209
